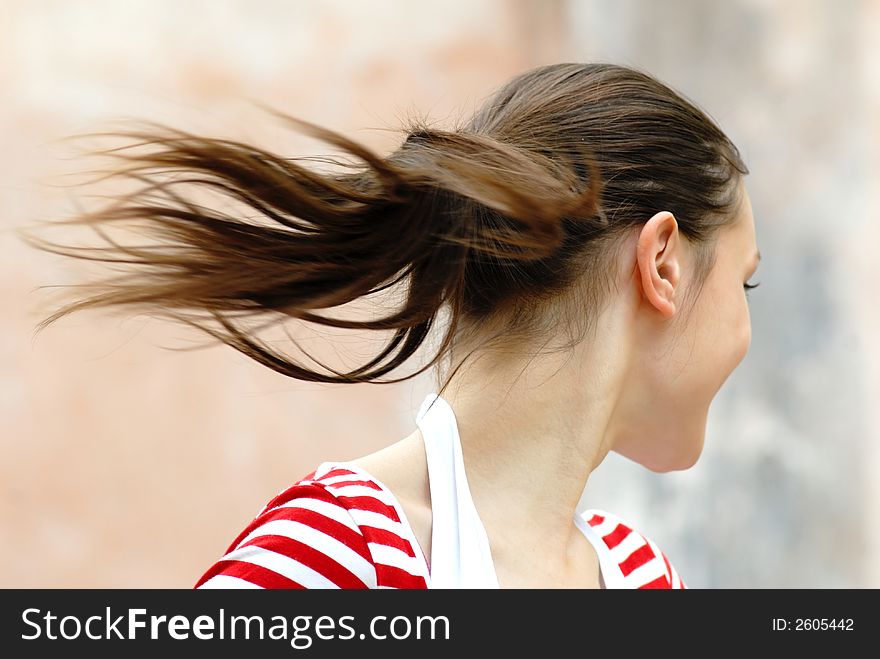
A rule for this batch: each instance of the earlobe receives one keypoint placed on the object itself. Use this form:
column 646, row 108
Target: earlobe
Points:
column 658, row 261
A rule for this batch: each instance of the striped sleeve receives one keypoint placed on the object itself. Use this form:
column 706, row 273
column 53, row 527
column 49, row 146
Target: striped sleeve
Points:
column 396, row 557
column 674, row 579
column 303, row 538
column 642, row 563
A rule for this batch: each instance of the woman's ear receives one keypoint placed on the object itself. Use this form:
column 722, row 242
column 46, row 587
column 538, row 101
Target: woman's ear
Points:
column 659, row 255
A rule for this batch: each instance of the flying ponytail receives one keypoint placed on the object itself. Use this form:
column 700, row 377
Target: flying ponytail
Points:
column 509, row 221
column 444, row 198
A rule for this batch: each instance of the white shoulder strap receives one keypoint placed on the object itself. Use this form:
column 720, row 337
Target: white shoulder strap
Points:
column 460, row 553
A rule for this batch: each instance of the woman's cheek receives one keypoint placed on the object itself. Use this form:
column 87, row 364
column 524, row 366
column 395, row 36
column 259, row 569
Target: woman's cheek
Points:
column 747, row 338
column 742, row 335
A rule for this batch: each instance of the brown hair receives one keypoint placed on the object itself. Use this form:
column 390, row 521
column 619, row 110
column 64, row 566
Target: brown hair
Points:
column 509, row 220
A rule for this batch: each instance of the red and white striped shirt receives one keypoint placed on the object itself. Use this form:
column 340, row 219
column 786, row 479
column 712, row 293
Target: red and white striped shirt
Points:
column 339, row 528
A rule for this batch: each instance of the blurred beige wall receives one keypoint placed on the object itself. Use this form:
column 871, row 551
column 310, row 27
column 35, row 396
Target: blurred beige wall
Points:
column 128, row 464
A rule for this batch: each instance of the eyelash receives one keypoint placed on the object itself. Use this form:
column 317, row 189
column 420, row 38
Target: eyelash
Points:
column 749, row 287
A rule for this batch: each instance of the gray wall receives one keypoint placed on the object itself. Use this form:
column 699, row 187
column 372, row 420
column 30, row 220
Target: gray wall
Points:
column 785, row 492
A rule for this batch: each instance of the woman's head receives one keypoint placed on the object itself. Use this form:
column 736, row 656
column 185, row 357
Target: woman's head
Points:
column 515, row 222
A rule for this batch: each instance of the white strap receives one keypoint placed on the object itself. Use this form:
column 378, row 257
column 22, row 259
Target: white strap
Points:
column 460, row 553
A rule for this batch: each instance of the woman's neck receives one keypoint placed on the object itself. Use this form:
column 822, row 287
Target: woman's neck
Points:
column 531, row 434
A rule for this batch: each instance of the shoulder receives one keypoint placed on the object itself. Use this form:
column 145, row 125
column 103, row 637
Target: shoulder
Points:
column 636, row 558
column 334, row 528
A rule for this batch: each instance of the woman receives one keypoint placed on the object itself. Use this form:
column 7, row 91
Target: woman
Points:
column 590, row 237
